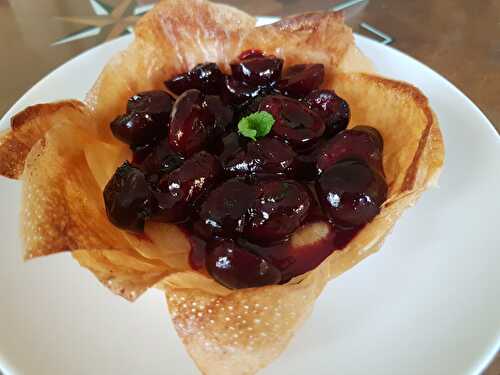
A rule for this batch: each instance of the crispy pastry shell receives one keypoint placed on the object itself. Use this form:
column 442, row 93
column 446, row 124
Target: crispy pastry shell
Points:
column 64, row 153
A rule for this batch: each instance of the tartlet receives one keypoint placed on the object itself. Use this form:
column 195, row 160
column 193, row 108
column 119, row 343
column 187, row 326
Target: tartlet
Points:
column 65, row 154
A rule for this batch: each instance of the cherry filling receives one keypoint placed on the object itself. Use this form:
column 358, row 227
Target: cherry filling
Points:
column 280, row 208
column 295, row 123
column 333, row 110
column 266, row 156
column 263, row 197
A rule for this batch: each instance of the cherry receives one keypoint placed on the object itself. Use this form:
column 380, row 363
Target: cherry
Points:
column 160, row 160
column 137, row 128
column 351, row 192
column 375, row 134
column 208, row 77
column 247, row 107
column 331, row 108
column 178, row 191
column 222, row 113
column 204, row 77
column 227, row 147
column 257, row 70
column 305, row 162
column 299, row 80
column 141, row 152
column 191, row 124
column 363, row 143
column 281, row 206
column 238, row 92
column 224, row 211
column 267, row 155
column 128, row 198
column 236, row 268
column 295, row 123
column 156, row 103
column 180, row 83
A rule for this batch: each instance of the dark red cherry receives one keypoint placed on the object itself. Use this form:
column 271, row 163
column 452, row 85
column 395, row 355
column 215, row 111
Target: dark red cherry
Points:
column 222, row 113
column 157, row 103
column 331, row 108
column 239, row 93
column 227, row 147
column 250, row 53
column 204, row 77
column 179, row 190
column 191, row 124
column 305, row 162
column 363, row 143
column 351, row 192
column 376, row 136
column 258, row 70
column 295, row 123
column 299, row 80
column 247, row 107
column 224, row 211
column 267, row 155
column 236, row 268
column 160, row 160
column 141, row 152
column 209, row 78
column 138, row 128
column 180, row 83
column 128, row 198
column 281, row 206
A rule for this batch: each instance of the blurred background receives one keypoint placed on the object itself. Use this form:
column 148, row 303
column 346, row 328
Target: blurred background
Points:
column 460, row 39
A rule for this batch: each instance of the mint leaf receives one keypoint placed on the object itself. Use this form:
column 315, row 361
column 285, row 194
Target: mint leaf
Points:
column 256, row 125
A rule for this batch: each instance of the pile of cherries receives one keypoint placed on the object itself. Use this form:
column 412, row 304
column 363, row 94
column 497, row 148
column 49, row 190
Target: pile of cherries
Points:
column 241, row 200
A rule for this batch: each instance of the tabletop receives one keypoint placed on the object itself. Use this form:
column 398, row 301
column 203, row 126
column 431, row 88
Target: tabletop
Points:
column 460, row 39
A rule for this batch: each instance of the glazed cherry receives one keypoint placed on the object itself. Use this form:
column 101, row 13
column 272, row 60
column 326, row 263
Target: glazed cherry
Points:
column 204, row 77
column 191, row 124
column 228, row 146
column 351, row 192
column 247, row 107
column 363, row 143
column 141, row 152
column 156, row 103
column 281, row 206
column 179, row 190
column 224, row 211
column 295, row 123
column 331, row 108
column 160, row 159
column 236, row 268
column 180, row 83
column 258, row 70
column 222, row 113
column 128, row 198
column 299, row 80
column 305, row 162
column 238, row 92
column 138, row 128
column 375, row 134
column 267, row 155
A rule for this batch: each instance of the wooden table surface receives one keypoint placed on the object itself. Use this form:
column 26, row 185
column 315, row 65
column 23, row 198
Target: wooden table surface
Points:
column 460, row 39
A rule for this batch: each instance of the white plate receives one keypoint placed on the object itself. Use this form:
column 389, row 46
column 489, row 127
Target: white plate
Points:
column 427, row 303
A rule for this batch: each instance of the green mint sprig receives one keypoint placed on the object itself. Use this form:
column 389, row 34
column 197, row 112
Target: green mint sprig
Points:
column 256, row 125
